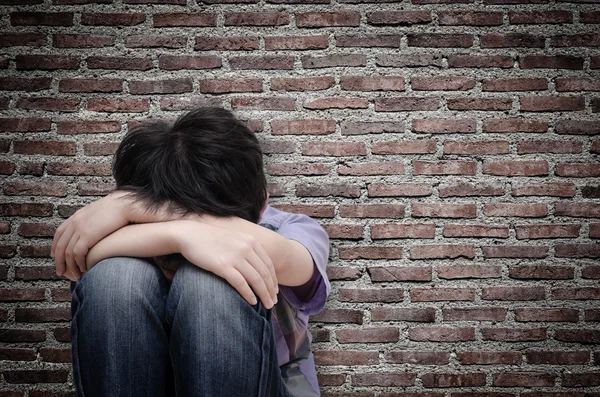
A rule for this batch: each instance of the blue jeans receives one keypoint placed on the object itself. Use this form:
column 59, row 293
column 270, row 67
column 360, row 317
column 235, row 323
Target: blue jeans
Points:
column 133, row 334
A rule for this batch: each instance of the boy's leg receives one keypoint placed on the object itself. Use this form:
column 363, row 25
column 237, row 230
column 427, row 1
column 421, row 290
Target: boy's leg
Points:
column 220, row 344
column 119, row 335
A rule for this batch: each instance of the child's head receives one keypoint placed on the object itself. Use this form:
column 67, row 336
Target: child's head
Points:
column 206, row 162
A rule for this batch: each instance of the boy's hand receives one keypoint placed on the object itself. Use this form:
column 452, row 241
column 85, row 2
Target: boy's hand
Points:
column 74, row 238
column 236, row 257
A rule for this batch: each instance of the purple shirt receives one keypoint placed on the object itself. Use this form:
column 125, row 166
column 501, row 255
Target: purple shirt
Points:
column 290, row 314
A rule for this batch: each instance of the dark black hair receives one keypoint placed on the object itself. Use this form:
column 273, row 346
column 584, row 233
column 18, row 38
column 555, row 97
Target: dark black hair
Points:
column 206, row 162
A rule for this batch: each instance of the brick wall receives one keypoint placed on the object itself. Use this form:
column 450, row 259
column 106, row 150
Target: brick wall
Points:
column 449, row 150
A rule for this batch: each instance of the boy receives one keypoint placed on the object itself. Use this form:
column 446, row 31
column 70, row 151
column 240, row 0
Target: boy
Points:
column 196, row 188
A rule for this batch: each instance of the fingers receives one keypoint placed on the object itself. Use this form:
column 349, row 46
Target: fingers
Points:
column 263, row 271
column 266, row 259
column 61, row 247
column 80, row 250
column 257, row 282
column 237, row 281
column 69, row 259
column 57, row 235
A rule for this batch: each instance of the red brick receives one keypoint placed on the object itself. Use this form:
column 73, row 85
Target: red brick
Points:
column 581, row 209
column 46, row 62
column 441, row 294
column 155, row 41
column 512, row 293
column 369, row 127
column 235, row 43
column 447, row 83
column 483, row 230
column 479, row 61
column 35, row 188
column 320, row 335
column 399, row 190
column 442, row 251
column 312, row 210
column 372, row 210
column 220, row 86
column 336, row 149
column 22, row 294
column 334, row 60
column 197, row 19
column 4, row 229
column 489, row 357
column 189, row 103
column 88, row 127
column 341, row 272
column 444, row 167
column 7, row 168
column 55, row 148
column 62, row 334
column 586, row 379
column 515, row 167
column 404, row 273
column 82, row 41
column 27, row 229
column 368, row 40
column 331, row 379
column 558, row 189
column 297, row 169
column 49, row 104
column 469, row 271
column 587, row 336
column 42, row 315
column 16, row 354
column 592, row 315
column 36, row 376
column 441, row 210
column 479, row 103
column 439, row 40
column 32, row 168
column 474, row 314
column 513, row 125
column 24, row 84
column 76, row 168
column 22, row 335
column 402, row 230
column 576, row 40
column 324, row 19
column 257, row 18
column 173, row 86
column 25, row 124
column 26, row 209
column 577, row 127
column 515, row 209
column 118, row 63
column 369, row 252
column 386, row 379
column 302, row 84
column 95, row 188
column 408, row 60
column 470, row 18
column 112, row 19
column 368, row 335
column 296, row 42
column 526, row 379
column 534, row 231
column 406, row 104
column 443, row 126
column 266, row 62
column 61, row 295
column 536, row 314
column 417, row 357
column 118, row 105
column 339, row 316
column 35, row 251
column 336, row 103
column 399, row 17
column 557, row 146
column 346, row 357
column 497, row 40
column 468, row 189
column 375, row 168
column 551, row 62
column 441, row 334
column 344, row 231
column 174, row 62
column 373, row 83
column 424, row 315
column 578, row 170
column 514, row 334
column 541, row 272
column 591, row 250
column 275, row 146
column 55, row 355
column 404, row 147
column 41, row 18
column 268, row 103
column 581, row 293
column 22, row 39
column 540, row 17
column 90, row 85
column 576, row 84
column 338, row 190
column 592, row 272
column 551, row 103
column 515, row 84
column 453, row 380
column 524, row 251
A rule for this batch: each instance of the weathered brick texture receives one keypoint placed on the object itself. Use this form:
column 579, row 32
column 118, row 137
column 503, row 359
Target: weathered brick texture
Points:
column 449, row 148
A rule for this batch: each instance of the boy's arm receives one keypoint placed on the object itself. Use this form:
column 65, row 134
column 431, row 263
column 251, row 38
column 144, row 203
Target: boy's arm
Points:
column 236, row 257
